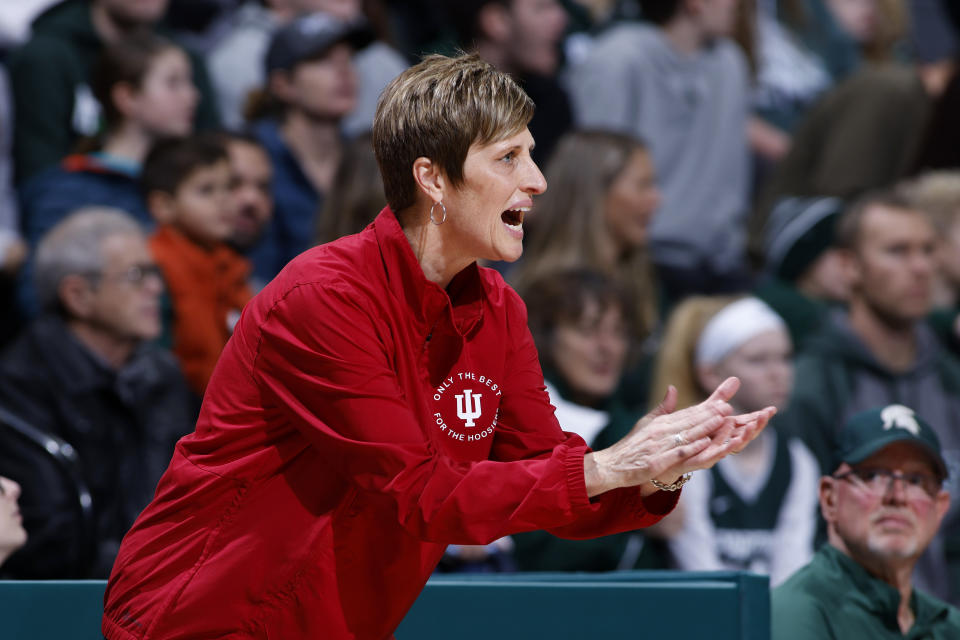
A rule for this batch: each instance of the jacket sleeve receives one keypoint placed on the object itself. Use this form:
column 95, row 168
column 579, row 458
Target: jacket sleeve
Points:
column 527, row 428
column 332, row 376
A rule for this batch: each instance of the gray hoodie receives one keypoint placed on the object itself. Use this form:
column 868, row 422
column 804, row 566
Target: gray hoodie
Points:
column 692, row 112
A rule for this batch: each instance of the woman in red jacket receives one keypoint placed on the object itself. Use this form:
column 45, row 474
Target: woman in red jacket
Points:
column 382, row 398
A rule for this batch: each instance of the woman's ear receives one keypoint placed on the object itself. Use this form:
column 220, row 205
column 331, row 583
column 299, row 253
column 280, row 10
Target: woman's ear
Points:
column 123, row 95
column 430, row 178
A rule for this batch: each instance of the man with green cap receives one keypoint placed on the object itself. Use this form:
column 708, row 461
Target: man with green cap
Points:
column 883, row 504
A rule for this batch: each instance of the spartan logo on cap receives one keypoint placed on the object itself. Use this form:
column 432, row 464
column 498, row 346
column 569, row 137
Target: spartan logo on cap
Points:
column 901, row 417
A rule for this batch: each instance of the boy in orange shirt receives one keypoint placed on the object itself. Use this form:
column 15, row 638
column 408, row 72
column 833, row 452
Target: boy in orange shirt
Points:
column 186, row 183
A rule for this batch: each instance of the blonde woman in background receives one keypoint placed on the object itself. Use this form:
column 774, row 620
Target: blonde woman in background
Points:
column 756, row 511
column 596, row 215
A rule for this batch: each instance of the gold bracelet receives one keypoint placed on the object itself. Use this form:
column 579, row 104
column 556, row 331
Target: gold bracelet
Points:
column 682, row 480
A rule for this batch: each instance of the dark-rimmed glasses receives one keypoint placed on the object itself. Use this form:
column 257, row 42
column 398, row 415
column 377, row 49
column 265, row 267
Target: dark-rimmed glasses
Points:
column 878, row 481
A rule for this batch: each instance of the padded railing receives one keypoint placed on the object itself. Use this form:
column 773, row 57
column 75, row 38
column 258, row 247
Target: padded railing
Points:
column 638, row 605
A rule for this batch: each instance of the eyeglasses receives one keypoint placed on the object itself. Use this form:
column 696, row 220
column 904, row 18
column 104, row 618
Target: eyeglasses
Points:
column 878, row 481
column 134, row 275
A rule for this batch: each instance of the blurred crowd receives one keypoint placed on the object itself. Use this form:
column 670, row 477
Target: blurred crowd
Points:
column 762, row 188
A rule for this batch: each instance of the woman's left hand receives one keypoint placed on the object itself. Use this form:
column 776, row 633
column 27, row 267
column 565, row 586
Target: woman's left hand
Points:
column 665, row 444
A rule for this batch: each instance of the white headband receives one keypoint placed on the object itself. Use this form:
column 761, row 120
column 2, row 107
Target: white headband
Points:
column 734, row 325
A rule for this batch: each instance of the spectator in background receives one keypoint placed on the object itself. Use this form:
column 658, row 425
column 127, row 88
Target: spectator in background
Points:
column 846, row 33
column 12, row 247
column 682, row 86
column 86, row 373
column 879, row 351
column 311, row 86
column 756, row 511
column 883, row 502
column 236, row 59
column 12, row 534
column 522, row 38
column 187, row 186
column 13, row 250
column 835, row 148
column 580, row 321
column 357, row 195
column 789, row 74
column 143, row 84
column 251, row 189
column 377, row 64
column 938, row 194
column 596, row 215
column 67, row 39
column 803, row 270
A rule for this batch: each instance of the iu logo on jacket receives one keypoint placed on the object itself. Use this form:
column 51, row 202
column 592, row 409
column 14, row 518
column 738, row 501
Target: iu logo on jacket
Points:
column 465, row 413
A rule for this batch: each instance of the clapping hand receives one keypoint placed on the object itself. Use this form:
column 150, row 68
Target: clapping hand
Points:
column 665, row 444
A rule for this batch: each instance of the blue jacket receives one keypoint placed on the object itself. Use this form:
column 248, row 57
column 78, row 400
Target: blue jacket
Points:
column 54, row 193
column 80, row 181
column 296, row 203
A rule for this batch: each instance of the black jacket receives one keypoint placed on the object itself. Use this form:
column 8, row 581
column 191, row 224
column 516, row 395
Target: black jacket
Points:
column 122, row 426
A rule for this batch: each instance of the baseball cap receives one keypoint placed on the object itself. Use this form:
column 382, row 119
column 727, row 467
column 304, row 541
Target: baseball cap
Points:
column 311, row 35
column 869, row 431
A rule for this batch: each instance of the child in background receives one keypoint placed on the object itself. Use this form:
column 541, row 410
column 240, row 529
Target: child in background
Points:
column 186, row 183
column 146, row 90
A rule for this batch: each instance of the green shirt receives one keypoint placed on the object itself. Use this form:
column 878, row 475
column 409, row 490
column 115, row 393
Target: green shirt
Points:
column 834, row 598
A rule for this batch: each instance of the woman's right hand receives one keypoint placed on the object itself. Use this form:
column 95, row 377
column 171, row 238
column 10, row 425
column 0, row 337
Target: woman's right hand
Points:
column 666, row 444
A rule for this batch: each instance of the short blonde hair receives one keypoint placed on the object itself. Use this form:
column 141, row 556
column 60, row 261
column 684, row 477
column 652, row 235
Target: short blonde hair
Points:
column 437, row 109
column 938, row 194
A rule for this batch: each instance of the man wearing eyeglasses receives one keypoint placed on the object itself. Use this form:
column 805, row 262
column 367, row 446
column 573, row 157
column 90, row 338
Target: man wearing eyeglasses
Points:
column 883, row 504
column 86, row 373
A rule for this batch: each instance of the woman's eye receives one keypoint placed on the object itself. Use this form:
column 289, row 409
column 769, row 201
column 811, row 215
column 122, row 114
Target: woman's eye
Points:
column 509, row 157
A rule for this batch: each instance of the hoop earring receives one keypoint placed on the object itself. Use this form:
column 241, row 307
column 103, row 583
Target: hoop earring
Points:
column 444, row 218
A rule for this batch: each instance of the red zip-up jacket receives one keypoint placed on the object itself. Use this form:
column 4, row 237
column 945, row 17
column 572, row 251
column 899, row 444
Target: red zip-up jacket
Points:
column 359, row 420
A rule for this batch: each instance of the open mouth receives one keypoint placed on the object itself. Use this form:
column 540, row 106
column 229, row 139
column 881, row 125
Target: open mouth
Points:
column 514, row 217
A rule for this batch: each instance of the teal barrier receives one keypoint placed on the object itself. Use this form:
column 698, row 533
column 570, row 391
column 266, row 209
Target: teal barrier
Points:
column 51, row 609
column 629, row 604
column 632, row 604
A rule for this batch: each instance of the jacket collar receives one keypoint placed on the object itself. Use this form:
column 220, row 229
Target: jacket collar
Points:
column 880, row 598
column 446, row 318
column 461, row 303
column 79, row 371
